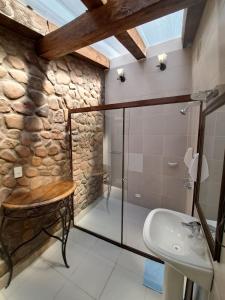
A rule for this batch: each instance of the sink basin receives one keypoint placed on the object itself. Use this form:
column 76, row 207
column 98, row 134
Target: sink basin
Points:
column 168, row 239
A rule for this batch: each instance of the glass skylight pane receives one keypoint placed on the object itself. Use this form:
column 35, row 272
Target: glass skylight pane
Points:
column 58, row 12
column 110, row 47
column 162, row 29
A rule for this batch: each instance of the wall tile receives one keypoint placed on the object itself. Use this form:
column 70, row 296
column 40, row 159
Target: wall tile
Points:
column 219, row 148
column 220, row 128
column 153, row 165
column 134, row 143
column 174, row 188
column 175, row 145
column 176, row 124
column 178, row 171
column 153, row 184
column 177, row 204
column 154, row 124
column 153, row 145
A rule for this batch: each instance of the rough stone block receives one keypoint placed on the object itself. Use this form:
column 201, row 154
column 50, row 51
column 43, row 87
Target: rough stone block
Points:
column 36, row 161
column 23, row 151
column 13, row 90
column 18, row 75
column 43, row 111
column 53, row 150
column 26, row 108
column 3, row 71
column 33, row 124
column 4, row 106
column 48, row 87
column 31, row 172
column 14, row 121
column 58, row 116
column 8, row 143
column 48, row 161
column 4, row 193
column 41, row 152
column 16, row 62
column 53, row 103
column 9, row 181
column 8, row 155
column 62, row 77
column 37, row 97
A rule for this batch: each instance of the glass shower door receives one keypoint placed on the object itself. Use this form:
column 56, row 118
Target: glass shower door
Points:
column 97, row 151
column 128, row 161
column 156, row 139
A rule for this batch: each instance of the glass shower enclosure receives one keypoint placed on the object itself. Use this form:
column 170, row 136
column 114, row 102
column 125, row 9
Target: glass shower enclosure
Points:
column 127, row 159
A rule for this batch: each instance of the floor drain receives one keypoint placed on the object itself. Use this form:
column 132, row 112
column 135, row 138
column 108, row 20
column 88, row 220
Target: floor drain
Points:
column 176, row 247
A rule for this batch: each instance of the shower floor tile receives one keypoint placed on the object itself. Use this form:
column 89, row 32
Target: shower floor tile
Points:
column 107, row 222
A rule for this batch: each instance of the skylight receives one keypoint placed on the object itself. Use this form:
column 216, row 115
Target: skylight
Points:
column 61, row 12
column 162, row 29
column 110, row 47
column 58, row 12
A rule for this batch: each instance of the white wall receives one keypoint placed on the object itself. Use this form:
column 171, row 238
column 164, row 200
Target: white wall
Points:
column 209, row 48
column 209, row 71
column 144, row 80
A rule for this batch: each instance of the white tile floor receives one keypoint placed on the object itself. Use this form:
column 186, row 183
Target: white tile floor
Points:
column 108, row 222
column 98, row 270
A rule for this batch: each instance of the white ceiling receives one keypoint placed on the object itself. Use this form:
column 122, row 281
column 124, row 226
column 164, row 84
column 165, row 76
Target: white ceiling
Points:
column 61, row 12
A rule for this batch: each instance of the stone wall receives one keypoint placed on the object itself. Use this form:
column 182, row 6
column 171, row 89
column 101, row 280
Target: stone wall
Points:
column 87, row 145
column 35, row 95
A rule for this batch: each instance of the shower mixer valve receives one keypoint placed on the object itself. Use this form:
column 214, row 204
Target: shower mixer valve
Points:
column 188, row 183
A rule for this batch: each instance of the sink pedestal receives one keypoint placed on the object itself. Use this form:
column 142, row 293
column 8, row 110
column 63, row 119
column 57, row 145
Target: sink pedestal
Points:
column 173, row 284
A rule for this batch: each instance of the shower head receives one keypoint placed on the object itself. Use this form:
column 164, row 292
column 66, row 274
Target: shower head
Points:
column 205, row 95
column 184, row 110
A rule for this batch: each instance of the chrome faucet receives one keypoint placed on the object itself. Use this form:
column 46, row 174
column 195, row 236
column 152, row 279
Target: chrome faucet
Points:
column 194, row 226
column 212, row 229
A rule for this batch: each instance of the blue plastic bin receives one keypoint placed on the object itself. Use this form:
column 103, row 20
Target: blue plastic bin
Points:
column 154, row 275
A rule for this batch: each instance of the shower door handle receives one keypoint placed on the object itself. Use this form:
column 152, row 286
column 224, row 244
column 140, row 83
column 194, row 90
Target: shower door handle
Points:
column 124, row 180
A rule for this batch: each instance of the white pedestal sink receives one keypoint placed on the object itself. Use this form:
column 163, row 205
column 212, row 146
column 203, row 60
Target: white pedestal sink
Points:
column 184, row 255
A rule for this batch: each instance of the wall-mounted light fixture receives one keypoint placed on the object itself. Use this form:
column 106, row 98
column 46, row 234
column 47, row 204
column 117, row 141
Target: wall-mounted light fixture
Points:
column 121, row 75
column 162, row 61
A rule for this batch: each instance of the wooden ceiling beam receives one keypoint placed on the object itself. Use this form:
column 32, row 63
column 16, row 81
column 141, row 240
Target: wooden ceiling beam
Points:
column 26, row 22
column 110, row 19
column 192, row 18
column 93, row 56
column 92, row 4
column 130, row 39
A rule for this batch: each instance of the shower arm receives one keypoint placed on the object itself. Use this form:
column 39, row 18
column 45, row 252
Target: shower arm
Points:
column 202, row 96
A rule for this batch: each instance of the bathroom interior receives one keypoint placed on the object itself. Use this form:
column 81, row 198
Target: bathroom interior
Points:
column 112, row 150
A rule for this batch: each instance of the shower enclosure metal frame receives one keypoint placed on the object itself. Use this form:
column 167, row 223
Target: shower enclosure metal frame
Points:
column 215, row 245
column 124, row 106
